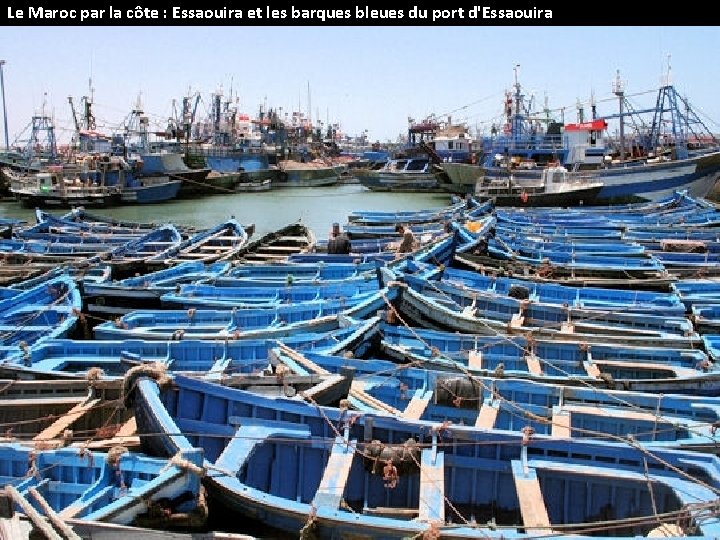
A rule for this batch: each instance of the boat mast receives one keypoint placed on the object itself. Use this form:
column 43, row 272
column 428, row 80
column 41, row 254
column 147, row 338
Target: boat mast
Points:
column 619, row 91
column 517, row 120
column 2, row 88
column 137, row 124
column 37, row 145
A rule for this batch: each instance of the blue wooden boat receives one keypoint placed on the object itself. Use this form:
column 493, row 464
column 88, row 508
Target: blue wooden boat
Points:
column 536, row 247
column 712, row 345
column 434, row 228
column 354, row 258
column 614, row 366
column 44, row 251
column 582, row 263
column 364, row 245
column 678, row 211
column 296, row 273
column 214, row 324
column 636, row 301
column 653, row 234
column 115, row 487
column 697, row 291
column 116, row 297
column 40, row 413
column 214, row 359
column 681, row 245
column 96, row 221
column 567, row 253
column 441, row 313
column 579, row 231
column 132, row 256
column 74, row 222
column 221, row 242
column 66, row 234
column 238, row 323
column 285, row 275
column 706, row 318
column 374, row 217
column 50, row 309
column 691, row 265
column 15, row 270
column 217, row 297
column 303, row 469
column 277, row 245
column 560, row 410
column 537, row 316
column 473, row 257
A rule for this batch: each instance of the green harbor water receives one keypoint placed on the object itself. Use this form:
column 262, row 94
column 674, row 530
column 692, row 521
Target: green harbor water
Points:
column 317, row 207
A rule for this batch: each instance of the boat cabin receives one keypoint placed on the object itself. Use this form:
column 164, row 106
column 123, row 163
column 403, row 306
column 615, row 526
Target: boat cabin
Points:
column 585, row 144
column 409, row 165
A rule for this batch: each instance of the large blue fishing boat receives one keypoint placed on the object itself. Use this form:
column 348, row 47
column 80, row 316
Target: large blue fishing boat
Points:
column 675, row 150
column 334, row 473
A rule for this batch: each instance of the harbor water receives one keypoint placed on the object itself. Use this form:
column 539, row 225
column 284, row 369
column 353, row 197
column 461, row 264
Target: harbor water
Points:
column 317, row 208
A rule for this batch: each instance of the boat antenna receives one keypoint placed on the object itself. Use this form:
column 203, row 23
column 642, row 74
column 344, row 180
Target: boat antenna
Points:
column 619, row 91
column 666, row 80
column 580, row 111
column 517, row 119
column 309, row 105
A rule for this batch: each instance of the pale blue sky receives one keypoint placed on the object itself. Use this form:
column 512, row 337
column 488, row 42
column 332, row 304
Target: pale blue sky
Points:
column 362, row 77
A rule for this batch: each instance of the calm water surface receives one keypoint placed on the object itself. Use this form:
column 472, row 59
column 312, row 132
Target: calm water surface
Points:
column 317, row 207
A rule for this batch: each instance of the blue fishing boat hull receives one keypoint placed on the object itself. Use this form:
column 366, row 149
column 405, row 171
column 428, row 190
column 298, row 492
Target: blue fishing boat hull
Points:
column 302, row 468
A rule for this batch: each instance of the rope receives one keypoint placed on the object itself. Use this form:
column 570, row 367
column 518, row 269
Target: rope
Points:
column 617, row 438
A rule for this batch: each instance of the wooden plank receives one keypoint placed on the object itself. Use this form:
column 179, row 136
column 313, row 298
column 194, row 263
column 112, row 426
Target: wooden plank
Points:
column 532, row 505
column 567, row 327
column 33, row 402
column 54, row 518
column 592, row 370
column 126, row 436
column 533, row 363
column 29, row 510
column 218, row 249
column 301, row 239
column 475, row 360
column 417, row 405
column 332, row 485
column 432, row 486
column 487, row 417
column 262, row 256
column 279, row 248
column 609, row 412
column 517, row 320
column 14, row 529
column 357, row 391
column 76, row 508
column 561, row 422
column 57, row 428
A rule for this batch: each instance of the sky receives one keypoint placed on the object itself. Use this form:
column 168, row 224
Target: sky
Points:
column 363, row 77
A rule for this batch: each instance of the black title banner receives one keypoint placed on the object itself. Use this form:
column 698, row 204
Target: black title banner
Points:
column 303, row 13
